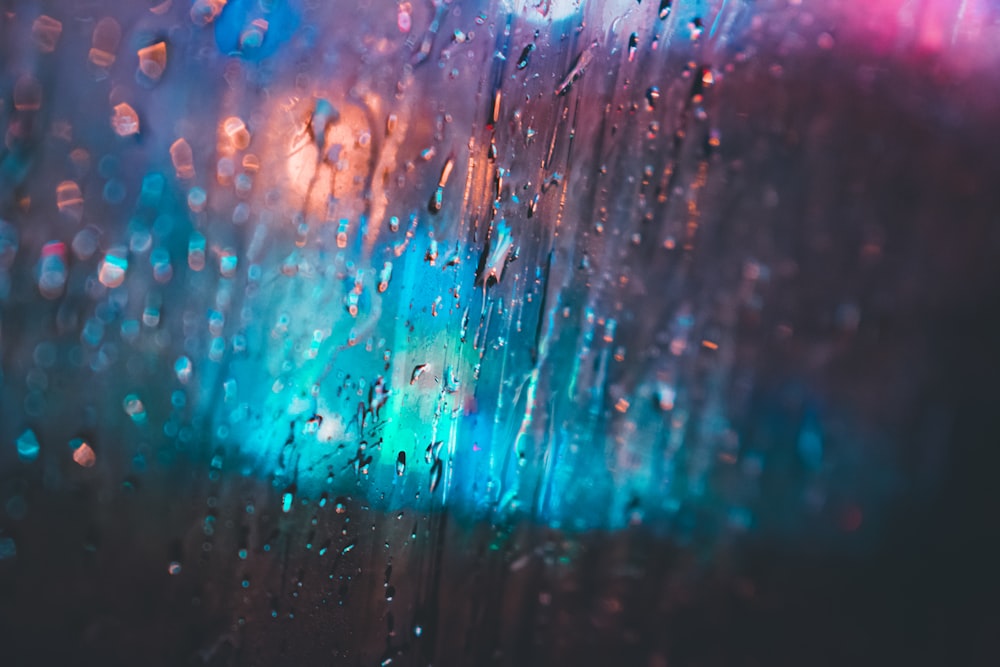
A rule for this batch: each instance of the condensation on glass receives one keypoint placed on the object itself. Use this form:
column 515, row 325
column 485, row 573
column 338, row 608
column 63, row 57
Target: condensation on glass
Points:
column 443, row 332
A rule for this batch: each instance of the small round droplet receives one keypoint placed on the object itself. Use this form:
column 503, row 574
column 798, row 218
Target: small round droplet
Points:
column 153, row 60
column 84, row 455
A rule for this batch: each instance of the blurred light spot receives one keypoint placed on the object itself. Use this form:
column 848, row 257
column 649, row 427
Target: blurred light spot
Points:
column 84, row 456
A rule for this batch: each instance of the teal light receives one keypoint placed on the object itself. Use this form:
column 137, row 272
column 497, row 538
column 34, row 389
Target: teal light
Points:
column 28, row 447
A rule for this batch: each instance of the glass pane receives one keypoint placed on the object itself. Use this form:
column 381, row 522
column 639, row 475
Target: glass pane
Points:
column 514, row 332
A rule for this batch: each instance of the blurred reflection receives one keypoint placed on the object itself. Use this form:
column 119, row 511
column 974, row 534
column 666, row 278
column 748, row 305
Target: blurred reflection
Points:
column 532, row 332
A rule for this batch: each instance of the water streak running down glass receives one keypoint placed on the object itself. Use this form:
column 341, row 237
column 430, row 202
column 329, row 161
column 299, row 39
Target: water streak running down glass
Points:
column 514, row 332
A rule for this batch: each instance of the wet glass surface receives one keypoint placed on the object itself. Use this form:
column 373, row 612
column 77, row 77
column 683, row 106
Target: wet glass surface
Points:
column 516, row 333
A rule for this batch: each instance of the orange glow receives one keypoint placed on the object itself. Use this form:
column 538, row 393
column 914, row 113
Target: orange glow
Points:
column 236, row 131
column 27, row 93
column 104, row 43
column 84, row 456
column 125, row 120
column 153, row 60
column 183, row 158
column 251, row 163
column 69, row 199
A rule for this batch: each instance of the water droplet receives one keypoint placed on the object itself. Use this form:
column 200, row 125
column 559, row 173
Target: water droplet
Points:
column 182, row 158
column 27, row 93
column 401, row 464
column 288, row 499
column 436, row 200
column 125, row 121
column 253, row 36
column 577, row 70
column 433, row 450
column 84, row 455
column 436, row 470
column 104, row 42
column 153, row 60
column 384, row 277
column 196, row 199
column 69, row 200
column 403, row 19
column 52, row 270
column 112, row 270
column 162, row 270
column 46, row 31
column 652, row 96
column 432, row 252
column 312, row 426
column 495, row 111
column 174, row 568
column 183, row 368
column 228, row 261
column 27, row 446
column 196, row 252
column 522, row 61
column 342, row 228
column 134, row 408
column 434, row 206
column 451, row 381
column 236, row 131
column 204, row 12
column 496, row 253
column 418, row 370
